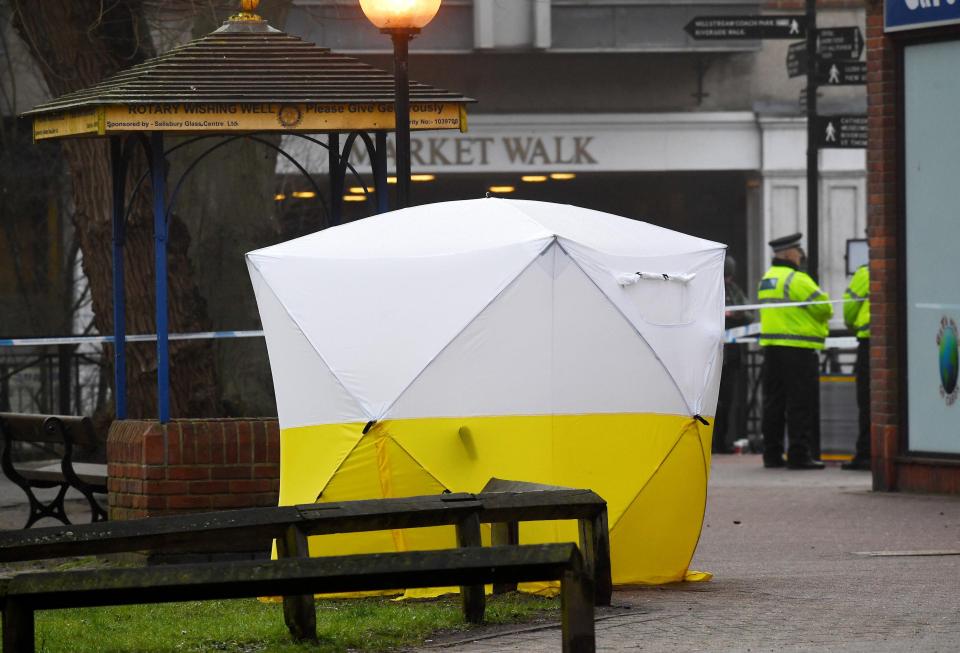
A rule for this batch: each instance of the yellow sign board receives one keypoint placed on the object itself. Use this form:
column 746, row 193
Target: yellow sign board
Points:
column 70, row 124
column 298, row 117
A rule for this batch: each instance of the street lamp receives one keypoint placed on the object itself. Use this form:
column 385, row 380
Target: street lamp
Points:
column 402, row 20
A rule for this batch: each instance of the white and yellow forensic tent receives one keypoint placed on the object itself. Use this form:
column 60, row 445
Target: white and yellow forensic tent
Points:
column 435, row 347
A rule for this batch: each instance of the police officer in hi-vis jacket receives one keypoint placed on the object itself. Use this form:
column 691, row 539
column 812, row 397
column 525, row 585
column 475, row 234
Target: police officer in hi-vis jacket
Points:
column 790, row 337
column 856, row 315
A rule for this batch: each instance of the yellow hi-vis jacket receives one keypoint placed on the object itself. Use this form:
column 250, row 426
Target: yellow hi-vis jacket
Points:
column 856, row 303
column 792, row 326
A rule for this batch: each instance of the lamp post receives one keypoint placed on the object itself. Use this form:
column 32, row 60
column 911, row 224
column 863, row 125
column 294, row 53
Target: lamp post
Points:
column 402, row 20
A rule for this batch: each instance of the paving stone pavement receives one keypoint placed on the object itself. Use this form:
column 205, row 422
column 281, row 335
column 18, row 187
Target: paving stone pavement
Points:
column 783, row 549
column 786, row 577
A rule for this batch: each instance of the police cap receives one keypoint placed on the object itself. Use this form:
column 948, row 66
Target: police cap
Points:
column 786, row 242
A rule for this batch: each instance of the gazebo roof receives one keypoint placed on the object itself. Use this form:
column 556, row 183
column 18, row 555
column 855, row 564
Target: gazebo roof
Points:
column 245, row 76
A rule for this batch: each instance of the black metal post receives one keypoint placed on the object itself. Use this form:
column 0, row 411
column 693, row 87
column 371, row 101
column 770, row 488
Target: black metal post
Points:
column 336, row 179
column 401, row 77
column 64, row 378
column 813, row 160
column 380, row 172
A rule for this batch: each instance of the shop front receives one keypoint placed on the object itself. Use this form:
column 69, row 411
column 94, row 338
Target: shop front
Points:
column 914, row 231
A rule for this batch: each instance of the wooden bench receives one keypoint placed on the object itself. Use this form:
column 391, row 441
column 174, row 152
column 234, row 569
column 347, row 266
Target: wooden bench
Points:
column 67, row 431
column 506, row 503
column 256, row 528
column 24, row 594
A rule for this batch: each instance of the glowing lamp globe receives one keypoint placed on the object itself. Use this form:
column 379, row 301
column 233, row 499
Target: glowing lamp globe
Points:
column 400, row 14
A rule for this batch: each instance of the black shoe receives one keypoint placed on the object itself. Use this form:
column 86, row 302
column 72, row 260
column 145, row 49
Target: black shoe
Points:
column 805, row 463
column 773, row 463
column 858, row 464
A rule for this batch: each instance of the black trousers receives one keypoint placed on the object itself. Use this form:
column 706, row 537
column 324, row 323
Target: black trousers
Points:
column 863, row 398
column 791, row 400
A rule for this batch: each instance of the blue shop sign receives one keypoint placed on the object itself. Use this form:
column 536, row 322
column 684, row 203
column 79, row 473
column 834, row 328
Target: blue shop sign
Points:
column 917, row 14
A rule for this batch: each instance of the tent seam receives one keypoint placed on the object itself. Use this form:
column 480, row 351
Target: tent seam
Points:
column 356, row 400
column 632, row 325
column 652, row 476
column 472, row 319
column 717, row 350
column 340, row 462
column 394, row 439
column 516, row 209
column 553, row 365
column 385, row 478
column 706, row 475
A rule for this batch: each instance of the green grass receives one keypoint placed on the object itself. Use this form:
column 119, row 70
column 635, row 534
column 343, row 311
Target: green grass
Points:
column 248, row 625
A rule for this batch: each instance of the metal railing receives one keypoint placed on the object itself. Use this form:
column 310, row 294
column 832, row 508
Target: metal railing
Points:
column 833, row 362
column 60, row 379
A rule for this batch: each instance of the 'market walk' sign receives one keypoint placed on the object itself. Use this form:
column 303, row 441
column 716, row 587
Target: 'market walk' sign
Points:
column 915, row 14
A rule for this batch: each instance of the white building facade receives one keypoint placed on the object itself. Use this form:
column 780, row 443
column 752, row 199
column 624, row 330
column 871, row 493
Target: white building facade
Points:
column 707, row 137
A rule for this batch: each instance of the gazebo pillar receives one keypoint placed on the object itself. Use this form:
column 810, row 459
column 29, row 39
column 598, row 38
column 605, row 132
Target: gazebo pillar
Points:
column 118, row 165
column 158, row 174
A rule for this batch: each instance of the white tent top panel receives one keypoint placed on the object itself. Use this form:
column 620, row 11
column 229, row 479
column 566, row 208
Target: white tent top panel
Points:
column 551, row 343
column 380, row 299
column 470, row 225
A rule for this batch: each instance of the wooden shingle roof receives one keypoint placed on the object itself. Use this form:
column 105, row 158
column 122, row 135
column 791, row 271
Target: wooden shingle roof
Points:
column 245, row 76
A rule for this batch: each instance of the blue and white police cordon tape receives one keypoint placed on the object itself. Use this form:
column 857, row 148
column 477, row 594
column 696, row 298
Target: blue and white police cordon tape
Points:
column 746, row 333
column 779, row 304
column 146, row 337
column 749, row 332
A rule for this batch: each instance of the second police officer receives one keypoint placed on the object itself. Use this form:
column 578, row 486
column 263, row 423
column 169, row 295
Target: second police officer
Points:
column 856, row 315
column 790, row 337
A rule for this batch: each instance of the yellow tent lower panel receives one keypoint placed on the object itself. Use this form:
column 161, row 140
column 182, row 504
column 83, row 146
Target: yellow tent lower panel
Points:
column 651, row 469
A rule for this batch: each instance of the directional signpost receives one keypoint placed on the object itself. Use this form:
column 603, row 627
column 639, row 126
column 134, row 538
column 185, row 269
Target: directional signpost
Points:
column 837, row 54
column 839, row 43
column 843, row 131
column 842, row 73
column 797, row 59
column 803, row 97
column 747, row 27
column 828, row 57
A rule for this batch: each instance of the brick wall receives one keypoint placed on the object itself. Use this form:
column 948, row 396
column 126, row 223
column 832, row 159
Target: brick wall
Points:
column 191, row 465
column 882, row 233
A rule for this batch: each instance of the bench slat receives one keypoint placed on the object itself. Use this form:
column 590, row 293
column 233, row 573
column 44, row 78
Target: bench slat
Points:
column 199, row 532
column 24, row 594
column 540, row 505
column 372, row 514
column 294, row 576
column 90, row 473
column 39, row 428
column 253, row 526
